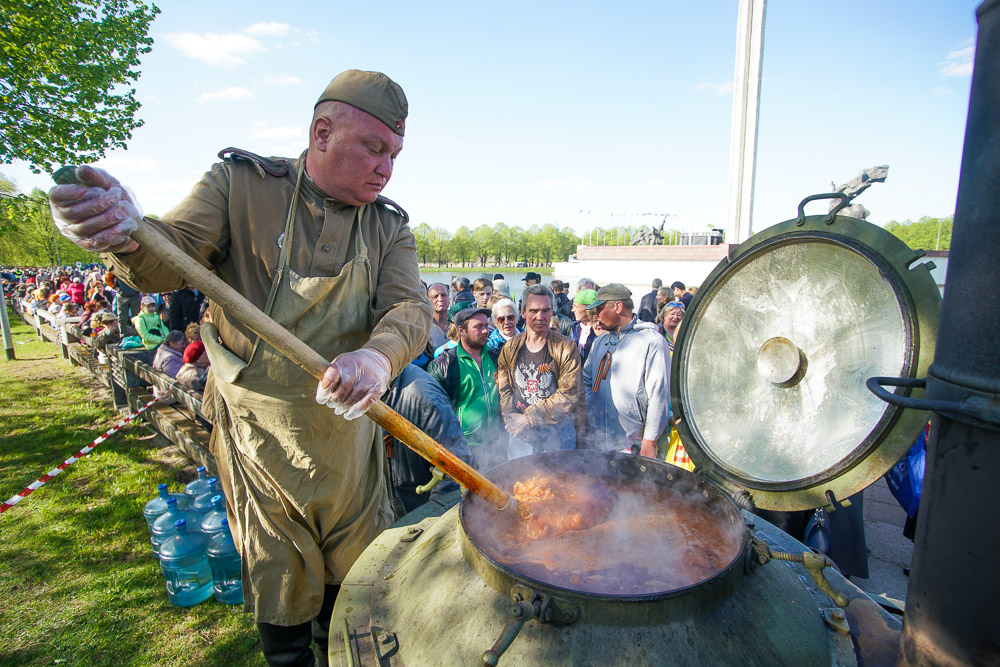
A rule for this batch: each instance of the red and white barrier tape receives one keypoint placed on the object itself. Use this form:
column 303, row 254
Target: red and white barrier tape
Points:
column 71, row 460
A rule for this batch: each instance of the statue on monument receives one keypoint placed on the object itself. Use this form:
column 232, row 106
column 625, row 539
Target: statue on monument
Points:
column 856, row 186
column 653, row 236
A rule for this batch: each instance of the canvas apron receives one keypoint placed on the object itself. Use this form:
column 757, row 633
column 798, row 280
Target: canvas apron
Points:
column 306, row 487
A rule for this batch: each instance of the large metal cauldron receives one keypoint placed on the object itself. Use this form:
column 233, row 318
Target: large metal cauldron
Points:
column 768, row 375
column 425, row 593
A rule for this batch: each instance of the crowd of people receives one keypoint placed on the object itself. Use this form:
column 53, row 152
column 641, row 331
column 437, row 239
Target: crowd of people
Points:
column 555, row 371
column 552, row 371
column 111, row 313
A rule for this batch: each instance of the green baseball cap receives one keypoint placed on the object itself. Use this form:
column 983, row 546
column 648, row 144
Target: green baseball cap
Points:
column 612, row 292
column 585, row 297
column 372, row 92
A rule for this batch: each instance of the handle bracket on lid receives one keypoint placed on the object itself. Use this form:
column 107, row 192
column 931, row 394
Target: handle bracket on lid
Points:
column 844, row 201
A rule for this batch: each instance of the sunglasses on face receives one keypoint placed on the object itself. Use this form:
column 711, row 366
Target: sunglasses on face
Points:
column 505, row 318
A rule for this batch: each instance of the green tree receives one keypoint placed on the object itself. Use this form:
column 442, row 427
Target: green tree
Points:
column 422, row 233
column 439, row 240
column 517, row 244
column 501, row 241
column 568, row 243
column 924, row 234
column 482, row 240
column 30, row 237
column 462, row 245
column 8, row 192
column 67, row 73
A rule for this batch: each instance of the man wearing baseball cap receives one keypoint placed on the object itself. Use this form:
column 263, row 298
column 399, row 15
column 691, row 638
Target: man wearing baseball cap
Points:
column 468, row 373
column 625, row 378
column 316, row 245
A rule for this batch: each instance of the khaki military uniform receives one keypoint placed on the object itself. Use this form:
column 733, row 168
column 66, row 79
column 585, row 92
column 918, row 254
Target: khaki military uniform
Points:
column 306, row 488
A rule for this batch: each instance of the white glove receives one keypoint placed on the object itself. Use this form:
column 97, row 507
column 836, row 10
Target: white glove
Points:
column 354, row 381
column 99, row 215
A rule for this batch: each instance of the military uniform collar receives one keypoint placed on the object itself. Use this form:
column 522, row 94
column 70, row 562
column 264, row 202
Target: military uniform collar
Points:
column 309, row 185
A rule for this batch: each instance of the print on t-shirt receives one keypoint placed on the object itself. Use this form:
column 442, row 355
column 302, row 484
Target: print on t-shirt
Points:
column 534, row 377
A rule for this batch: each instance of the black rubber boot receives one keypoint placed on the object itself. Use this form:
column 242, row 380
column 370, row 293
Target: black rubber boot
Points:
column 321, row 626
column 287, row 646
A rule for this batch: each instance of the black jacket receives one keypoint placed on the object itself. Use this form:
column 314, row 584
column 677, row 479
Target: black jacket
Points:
column 564, row 306
column 647, row 307
column 184, row 308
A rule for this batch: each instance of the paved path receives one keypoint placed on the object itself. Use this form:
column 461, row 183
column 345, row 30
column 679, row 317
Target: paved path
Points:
column 888, row 550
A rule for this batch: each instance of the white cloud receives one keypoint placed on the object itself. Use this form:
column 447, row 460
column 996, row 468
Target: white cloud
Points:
column 217, row 49
column 280, row 80
column 282, row 133
column 269, row 29
column 231, row 93
column 719, row 88
column 959, row 61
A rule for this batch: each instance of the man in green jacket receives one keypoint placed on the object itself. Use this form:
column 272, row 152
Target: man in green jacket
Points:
column 468, row 373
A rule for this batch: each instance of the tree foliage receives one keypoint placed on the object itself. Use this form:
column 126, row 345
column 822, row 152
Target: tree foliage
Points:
column 925, row 234
column 497, row 245
column 29, row 237
column 67, row 73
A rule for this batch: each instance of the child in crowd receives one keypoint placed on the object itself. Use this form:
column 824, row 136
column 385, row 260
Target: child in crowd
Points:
column 148, row 324
column 192, row 374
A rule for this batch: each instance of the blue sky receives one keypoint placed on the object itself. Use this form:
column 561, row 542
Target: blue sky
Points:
column 578, row 114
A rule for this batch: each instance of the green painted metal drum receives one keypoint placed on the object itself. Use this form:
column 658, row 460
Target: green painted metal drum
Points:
column 768, row 375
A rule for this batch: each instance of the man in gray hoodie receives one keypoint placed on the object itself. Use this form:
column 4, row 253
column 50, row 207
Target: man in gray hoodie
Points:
column 626, row 377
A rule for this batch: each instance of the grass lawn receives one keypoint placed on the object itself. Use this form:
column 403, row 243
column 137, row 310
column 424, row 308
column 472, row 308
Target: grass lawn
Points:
column 78, row 581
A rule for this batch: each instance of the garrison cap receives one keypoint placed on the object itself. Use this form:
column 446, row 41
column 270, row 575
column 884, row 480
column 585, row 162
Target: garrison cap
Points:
column 373, row 93
column 611, row 292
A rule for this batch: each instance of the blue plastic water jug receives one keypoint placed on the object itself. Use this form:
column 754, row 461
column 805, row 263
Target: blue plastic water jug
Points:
column 227, row 574
column 203, row 502
column 165, row 526
column 158, row 505
column 211, row 522
column 185, row 567
column 198, row 486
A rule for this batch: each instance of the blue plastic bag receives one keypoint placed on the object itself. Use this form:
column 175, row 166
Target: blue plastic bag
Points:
column 906, row 478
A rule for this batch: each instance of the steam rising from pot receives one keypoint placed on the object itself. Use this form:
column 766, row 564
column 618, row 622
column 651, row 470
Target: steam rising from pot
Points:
column 661, row 529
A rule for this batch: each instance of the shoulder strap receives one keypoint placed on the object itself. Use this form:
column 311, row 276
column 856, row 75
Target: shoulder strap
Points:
column 277, row 167
column 385, row 201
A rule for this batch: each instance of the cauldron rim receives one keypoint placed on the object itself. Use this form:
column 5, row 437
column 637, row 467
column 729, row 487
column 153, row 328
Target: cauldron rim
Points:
column 484, row 564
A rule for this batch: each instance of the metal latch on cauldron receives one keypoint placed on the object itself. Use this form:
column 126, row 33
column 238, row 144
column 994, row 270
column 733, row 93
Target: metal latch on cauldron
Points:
column 813, row 562
column 529, row 605
column 386, row 643
column 436, row 476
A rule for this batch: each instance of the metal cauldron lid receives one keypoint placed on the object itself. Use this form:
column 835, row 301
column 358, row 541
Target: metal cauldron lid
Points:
column 769, row 368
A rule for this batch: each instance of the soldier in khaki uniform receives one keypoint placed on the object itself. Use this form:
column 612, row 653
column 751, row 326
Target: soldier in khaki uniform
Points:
column 312, row 242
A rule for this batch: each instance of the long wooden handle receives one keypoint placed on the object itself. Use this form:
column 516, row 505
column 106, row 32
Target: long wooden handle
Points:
column 237, row 306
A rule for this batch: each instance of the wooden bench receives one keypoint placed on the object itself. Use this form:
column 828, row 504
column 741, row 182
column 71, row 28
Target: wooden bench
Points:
column 177, row 427
column 130, row 376
column 46, row 326
column 166, row 385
